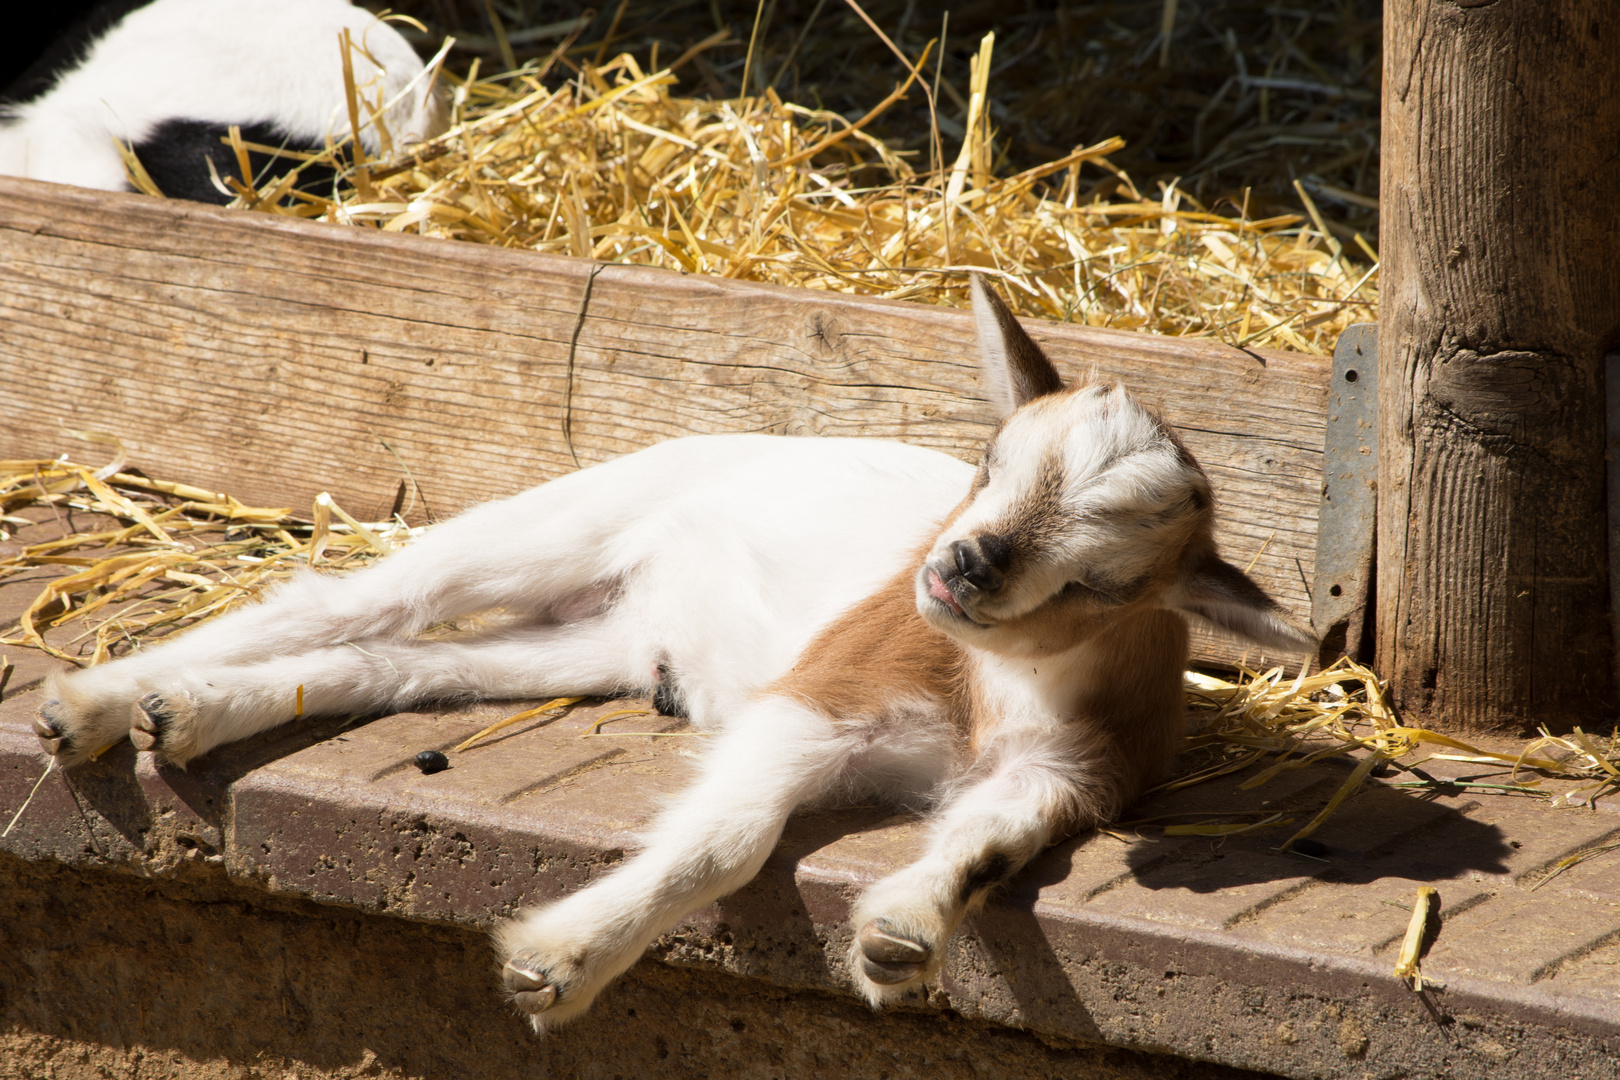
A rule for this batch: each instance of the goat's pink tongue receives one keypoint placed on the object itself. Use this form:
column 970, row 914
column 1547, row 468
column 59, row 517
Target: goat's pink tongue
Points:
column 937, row 589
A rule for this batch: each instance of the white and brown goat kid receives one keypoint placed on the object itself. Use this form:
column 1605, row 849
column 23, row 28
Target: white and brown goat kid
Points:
column 852, row 618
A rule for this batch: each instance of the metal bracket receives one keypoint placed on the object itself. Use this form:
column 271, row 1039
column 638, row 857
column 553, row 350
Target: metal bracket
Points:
column 1346, row 532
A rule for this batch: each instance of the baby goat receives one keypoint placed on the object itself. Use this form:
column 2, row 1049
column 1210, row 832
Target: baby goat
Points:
column 851, row 618
column 170, row 78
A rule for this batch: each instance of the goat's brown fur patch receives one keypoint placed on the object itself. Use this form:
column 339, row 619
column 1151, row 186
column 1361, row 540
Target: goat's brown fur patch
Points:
column 880, row 651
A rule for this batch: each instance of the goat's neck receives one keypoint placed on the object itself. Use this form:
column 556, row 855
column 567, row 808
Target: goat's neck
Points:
column 1027, row 691
column 1122, row 685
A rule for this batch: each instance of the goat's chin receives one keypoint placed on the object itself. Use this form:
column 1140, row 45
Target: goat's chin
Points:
column 966, row 623
column 943, row 618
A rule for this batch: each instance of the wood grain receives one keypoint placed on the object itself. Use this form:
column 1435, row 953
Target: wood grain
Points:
column 274, row 358
column 1501, row 123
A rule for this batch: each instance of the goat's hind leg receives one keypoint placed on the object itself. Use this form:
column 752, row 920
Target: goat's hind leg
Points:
column 773, row 756
column 187, row 712
column 1019, row 797
column 524, row 554
column 100, row 705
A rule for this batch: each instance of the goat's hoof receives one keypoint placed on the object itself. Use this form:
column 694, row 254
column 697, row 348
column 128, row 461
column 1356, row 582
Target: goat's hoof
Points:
column 150, row 716
column 531, row 991
column 887, row 958
column 48, row 726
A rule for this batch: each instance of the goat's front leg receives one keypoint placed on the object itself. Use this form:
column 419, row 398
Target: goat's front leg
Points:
column 771, row 757
column 1026, row 790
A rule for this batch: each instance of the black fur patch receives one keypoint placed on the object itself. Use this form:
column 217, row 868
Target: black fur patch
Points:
column 157, row 709
column 175, row 156
column 71, row 28
column 667, row 700
column 986, row 874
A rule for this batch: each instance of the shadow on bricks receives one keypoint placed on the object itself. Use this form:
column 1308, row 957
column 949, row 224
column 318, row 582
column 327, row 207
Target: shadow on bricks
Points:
column 1379, row 832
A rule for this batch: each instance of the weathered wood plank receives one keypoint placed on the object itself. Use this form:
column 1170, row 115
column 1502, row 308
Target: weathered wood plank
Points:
column 275, row 358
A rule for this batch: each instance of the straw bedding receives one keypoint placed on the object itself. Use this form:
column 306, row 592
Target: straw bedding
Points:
column 594, row 152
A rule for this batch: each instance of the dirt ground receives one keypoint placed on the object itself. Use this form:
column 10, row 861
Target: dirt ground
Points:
column 116, row 978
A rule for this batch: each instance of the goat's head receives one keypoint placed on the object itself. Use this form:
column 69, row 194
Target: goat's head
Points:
column 1086, row 509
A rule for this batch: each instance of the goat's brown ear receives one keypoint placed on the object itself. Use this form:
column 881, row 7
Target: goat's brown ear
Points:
column 1016, row 368
column 1215, row 590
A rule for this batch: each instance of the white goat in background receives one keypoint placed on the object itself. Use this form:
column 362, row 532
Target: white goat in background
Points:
column 171, row 77
column 851, row 618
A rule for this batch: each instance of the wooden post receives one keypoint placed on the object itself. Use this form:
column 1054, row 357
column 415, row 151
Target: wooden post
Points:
column 1500, row 297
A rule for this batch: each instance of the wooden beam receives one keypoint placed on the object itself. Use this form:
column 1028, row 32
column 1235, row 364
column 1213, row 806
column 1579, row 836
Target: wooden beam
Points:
column 275, row 358
column 1500, row 293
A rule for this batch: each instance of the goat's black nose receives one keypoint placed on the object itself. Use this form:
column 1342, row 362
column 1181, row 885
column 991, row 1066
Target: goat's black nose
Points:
column 982, row 562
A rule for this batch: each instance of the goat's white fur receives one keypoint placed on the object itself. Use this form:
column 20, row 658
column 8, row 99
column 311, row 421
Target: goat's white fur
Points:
column 718, row 557
column 1049, row 695
column 218, row 61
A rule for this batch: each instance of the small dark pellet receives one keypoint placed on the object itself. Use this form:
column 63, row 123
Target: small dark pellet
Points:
column 431, row 761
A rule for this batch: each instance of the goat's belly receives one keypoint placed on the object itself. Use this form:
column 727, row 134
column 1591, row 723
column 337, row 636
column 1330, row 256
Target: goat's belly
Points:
column 755, row 543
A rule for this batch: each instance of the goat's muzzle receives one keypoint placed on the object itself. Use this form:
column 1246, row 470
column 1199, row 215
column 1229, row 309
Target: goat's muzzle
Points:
column 966, row 572
column 982, row 562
